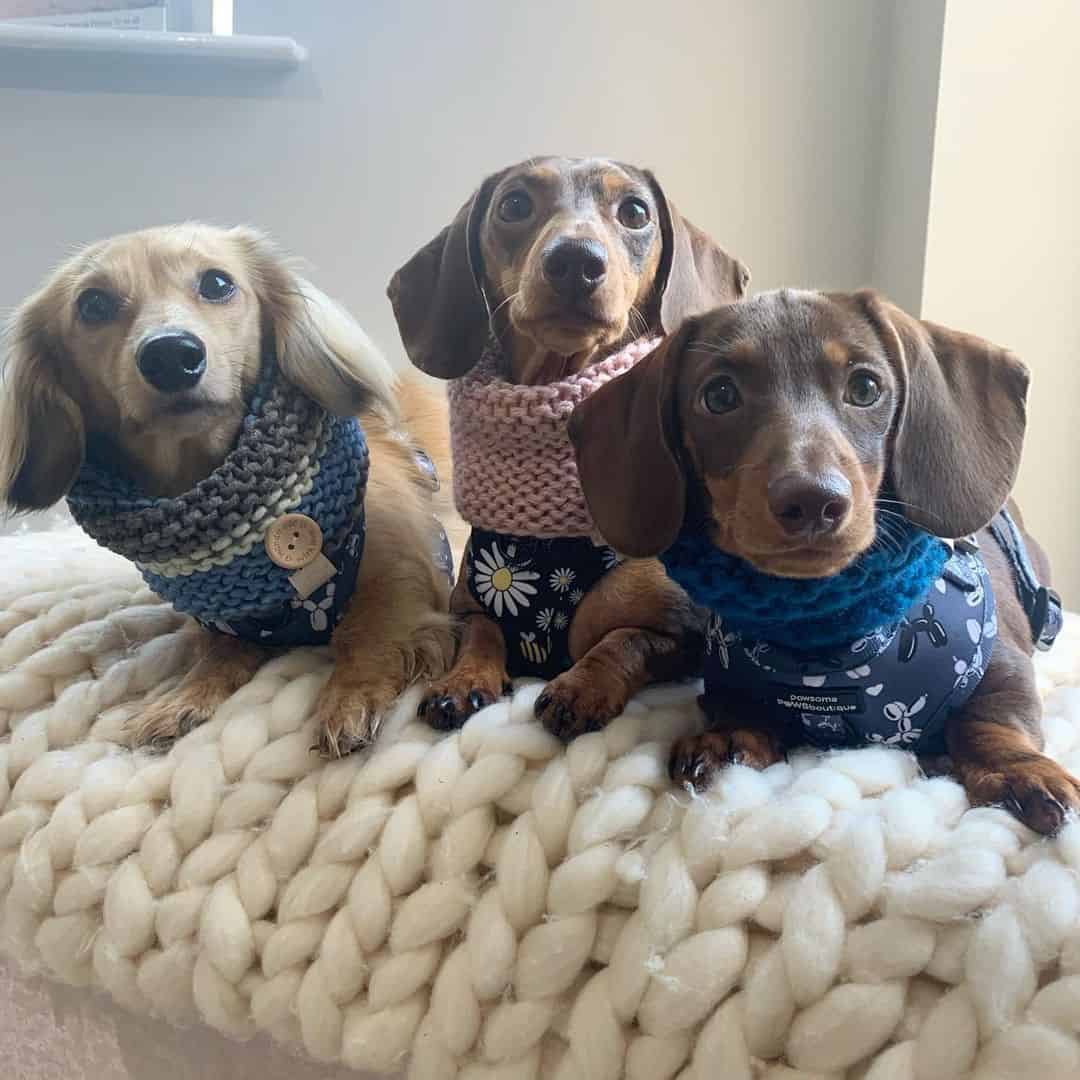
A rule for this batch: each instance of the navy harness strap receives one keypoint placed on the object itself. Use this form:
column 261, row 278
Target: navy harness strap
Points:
column 1042, row 605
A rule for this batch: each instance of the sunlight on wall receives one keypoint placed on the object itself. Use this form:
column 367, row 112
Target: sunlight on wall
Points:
column 1002, row 253
column 221, row 18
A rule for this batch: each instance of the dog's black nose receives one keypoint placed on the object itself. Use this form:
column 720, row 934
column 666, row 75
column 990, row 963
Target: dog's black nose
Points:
column 172, row 361
column 574, row 266
column 807, row 505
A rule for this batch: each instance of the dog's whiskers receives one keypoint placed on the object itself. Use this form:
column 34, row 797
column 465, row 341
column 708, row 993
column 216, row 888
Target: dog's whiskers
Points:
column 643, row 323
column 888, row 521
column 493, row 311
column 510, row 299
column 883, row 501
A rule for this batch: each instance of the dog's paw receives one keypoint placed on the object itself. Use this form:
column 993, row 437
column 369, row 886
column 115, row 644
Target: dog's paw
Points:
column 172, row 716
column 347, row 716
column 578, row 701
column 1037, row 791
column 451, row 701
column 225, row 665
column 696, row 759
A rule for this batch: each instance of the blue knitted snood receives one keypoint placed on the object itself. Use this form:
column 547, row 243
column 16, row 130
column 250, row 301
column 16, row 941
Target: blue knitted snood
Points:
column 810, row 613
column 204, row 550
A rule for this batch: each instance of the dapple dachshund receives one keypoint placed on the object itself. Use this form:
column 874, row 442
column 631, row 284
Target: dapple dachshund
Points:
column 557, row 264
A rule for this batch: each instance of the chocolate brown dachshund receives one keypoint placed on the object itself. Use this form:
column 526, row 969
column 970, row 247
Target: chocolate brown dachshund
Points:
column 563, row 262
column 784, row 424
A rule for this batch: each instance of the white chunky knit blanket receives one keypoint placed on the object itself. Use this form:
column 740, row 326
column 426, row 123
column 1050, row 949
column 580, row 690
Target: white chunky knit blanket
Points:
column 489, row 904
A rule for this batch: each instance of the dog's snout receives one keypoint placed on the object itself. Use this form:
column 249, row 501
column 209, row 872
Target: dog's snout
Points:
column 810, row 504
column 575, row 266
column 172, row 361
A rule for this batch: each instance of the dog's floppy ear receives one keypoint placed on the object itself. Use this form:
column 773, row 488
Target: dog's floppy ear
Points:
column 625, row 436
column 319, row 346
column 438, row 298
column 959, row 431
column 695, row 274
column 42, row 435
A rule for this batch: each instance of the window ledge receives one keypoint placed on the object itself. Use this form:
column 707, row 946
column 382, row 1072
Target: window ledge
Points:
column 246, row 51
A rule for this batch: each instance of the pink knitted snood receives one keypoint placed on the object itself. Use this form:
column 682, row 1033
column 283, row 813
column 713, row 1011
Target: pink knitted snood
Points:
column 514, row 468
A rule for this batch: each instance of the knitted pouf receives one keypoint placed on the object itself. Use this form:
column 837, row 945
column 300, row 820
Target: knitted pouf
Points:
column 491, row 904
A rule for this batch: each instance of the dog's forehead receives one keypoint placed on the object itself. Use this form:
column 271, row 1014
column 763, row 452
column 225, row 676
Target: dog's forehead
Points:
column 155, row 257
column 787, row 318
column 603, row 175
column 573, row 178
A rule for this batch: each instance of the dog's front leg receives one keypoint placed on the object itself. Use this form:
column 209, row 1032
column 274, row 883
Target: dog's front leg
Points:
column 995, row 744
column 395, row 631
column 727, row 740
column 224, row 665
column 596, row 689
column 634, row 627
column 479, row 675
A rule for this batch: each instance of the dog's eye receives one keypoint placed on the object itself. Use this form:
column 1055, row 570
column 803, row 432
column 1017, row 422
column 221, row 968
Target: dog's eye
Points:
column 721, row 396
column 216, row 285
column 516, row 206
column 96, row 306
column 633, row 213
column 862, row 390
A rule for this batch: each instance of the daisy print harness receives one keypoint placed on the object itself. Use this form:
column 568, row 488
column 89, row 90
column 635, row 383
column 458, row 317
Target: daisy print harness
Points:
column 532, row 587
column 532, row 556
column 854, row 673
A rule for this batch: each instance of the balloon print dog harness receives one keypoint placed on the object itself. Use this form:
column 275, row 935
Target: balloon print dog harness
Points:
column 882, row 653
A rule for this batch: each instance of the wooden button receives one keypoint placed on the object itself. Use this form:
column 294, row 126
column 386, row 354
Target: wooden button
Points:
column 293, row 541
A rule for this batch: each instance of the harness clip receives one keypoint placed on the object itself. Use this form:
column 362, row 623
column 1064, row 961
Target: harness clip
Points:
column 1046, row 618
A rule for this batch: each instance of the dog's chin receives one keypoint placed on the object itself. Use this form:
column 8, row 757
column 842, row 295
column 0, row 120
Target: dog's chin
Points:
column 821, row 560
column 804, row 563
column 569, row 333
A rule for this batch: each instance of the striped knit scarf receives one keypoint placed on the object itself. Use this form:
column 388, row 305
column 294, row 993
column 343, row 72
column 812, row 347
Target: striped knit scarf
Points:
column 204, row 550
column 514, row 467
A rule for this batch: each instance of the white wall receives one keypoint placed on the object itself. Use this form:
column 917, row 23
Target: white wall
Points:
column 906, row 161
column 1003, row 237
column 808, row 136
column 761, row 119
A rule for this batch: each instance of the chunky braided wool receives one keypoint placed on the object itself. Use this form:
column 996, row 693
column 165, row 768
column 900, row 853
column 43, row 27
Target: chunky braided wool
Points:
column 810, row 613
column 490, row 904
column 203, row 550
column 514, row 467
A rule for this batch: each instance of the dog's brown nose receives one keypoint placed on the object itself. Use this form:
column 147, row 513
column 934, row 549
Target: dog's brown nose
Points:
column 172, row 361
column 810, row 504
column 574, row 266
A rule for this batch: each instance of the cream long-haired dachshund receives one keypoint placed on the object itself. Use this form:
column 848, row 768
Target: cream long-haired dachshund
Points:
column 141, row 355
